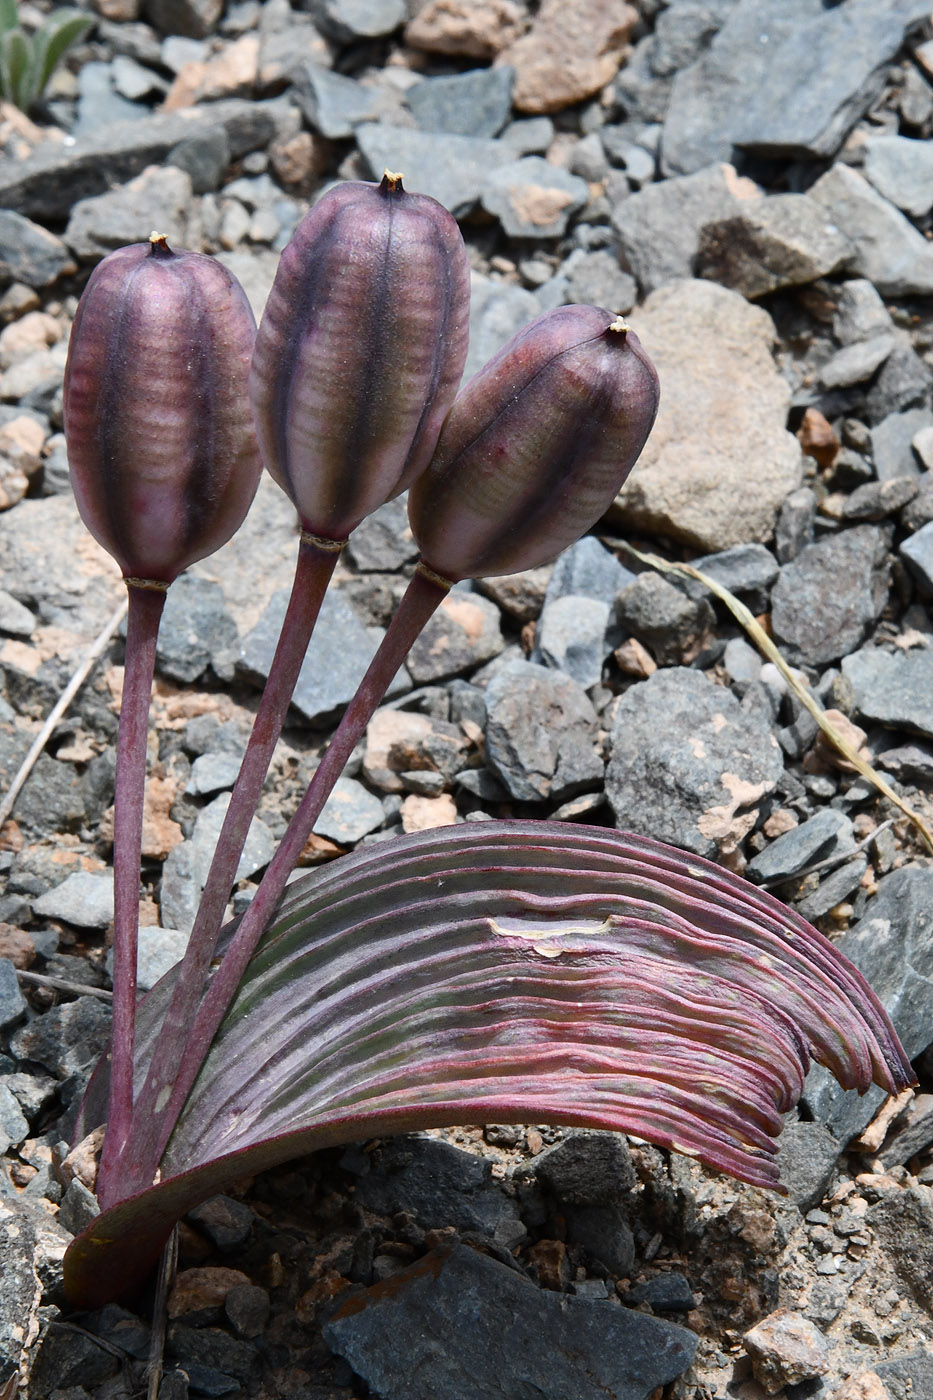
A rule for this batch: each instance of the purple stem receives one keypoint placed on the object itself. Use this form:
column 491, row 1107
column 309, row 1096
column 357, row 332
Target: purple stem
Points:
column 313, row 572
column 144, row 1152
column 142, row 631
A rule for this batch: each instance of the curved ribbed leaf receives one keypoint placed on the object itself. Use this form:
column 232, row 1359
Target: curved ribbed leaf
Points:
column 509, row 971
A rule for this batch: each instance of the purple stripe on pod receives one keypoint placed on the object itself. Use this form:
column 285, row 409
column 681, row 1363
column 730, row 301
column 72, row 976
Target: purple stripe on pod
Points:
column 360, row 350
column 163, row 455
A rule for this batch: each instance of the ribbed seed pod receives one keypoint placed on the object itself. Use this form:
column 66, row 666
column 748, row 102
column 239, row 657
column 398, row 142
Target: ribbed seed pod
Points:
column 161, row 444
column 536, row 445
column 360, row 350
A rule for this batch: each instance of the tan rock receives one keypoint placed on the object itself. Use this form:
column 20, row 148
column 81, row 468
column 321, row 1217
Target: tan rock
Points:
column 34, row 331
column 13, row 484
column 21, row 442
column 231, row 73
column 467, row 28
column 299, row 159
column 573, row 49
column 16, row 945
column 720, row 461
column 119, row 11
column 423, row 813
column 817, row 438
column 786, row 1348
column 195, row 1290
column 867, row 1386
column 398, row 742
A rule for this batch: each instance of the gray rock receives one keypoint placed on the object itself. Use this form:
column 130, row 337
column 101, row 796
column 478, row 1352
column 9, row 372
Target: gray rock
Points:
column 32, row 1246
column 659, row 228
column 521, row 595
column 902, row 1222
column 440, row 1185
column 497, row 311
column 894, row 688
column 350, row 20
column 589, row 159
column 794, row 529
column 14, row 1127
column 922, row 443
column 892, row 443
column 661, row 616
column 892, row 945
column 889, row 251
column 540, row 734
column 533, row 198
column 722, row 422
column 829, row 833
column 527, row 136
column 905, row 381
column 876, row 499
column 587, row 569
column 49, row 182
column 917, row 549
column 158, row 950
column 475, row 103
column 184, row 873
column 67, row 1040
column 465, row 631
column 604, row 1233
column 910, row 763
column 665, row 1293
column 571, row 636
column 335, row 662
column 350, row 813
column 826, row 600
column 906, row 1377
column 902, row 171
column 83, row 899
column 429, row 1336
column 742, row 662
column 687, row 762
column 452, row 169
column 764, row 84
column 855, row 363
column 193, row 18
column 158, row 198
column 99, row 104
column 807, row 1156
column 919, row 511
column 333, row 104
column 587, row 1168
column 12, row 1001
column 14, row 618
column 78, row 1207
column 860, row 313
column 748, row 570
column 596, row 279
column 384, row 539
column 196, row 628
column 204, row 158
column 782, row 241
column 213, row 772
column 29, row 253
column 833, row 889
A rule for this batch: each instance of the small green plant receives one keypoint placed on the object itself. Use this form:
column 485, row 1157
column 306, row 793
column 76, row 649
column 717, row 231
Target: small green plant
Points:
column 27, row 61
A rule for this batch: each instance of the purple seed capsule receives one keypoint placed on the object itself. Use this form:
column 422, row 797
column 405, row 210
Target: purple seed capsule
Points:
column 360, row 350
column 161, row 445
column 536, row 445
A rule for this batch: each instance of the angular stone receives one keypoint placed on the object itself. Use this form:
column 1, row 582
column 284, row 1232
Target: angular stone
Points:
column 828, row 833
column 497, row 311
column 12, row 1002
column 807, row 1156
column 32, row 1246
column 720, row 461
column 49, row 183
column 67, row 1040
column 350, row 813
column 29, row 253
column 855, row 363
column 540, row 733
column 826, row 600
column 786, row 1349
column 196, row 628
column 476, row 103
column 466, row 28
column 452, row 169
column 596, row 279
column 571, row 636
column 572, row 50
column 425, row 1336
column 877, row 499
column 918, row 551
column 588, row 1168
column 184, row 873
column 349, row 21
column 892, row 442
column 335, row 662
column 688, row 763
column 902, row 170
column 765, row 82
column 161, row 197
column 587, row 569
column 659, row 228
column 532, row 198
column 440, row 1185
column 193, row 18
column 785, row 240
column 663, row 618
column 860, row 313
column 333, row 104
column 888, row 250
column 893, row 688
column 465, row 631
column 83, row 899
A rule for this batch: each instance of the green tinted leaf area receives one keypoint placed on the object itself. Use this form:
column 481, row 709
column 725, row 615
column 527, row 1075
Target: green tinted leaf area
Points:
column 510, row 972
